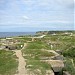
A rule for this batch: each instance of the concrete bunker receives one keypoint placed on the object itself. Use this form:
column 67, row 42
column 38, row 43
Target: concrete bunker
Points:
column 56, row 65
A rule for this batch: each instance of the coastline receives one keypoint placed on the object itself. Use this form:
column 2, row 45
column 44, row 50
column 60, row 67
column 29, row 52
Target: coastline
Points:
column 12, row 34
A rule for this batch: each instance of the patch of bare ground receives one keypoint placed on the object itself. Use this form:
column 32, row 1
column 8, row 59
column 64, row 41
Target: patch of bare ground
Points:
column 22, row 63
column 21, row 66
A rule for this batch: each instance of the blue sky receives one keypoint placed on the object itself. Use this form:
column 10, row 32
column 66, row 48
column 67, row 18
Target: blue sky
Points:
column 36, row 15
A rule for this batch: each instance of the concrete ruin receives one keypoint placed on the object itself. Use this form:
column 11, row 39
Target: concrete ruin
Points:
column 56, row 65
column 11, row 47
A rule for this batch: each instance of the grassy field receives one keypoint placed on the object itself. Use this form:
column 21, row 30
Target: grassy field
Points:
column 69, row 66
column 33, row 53
column 65, row 43
column 35, row 50
column 23, row 39
column 8, row 63
column 37, row 67
column 36, row 54
column 37, row 44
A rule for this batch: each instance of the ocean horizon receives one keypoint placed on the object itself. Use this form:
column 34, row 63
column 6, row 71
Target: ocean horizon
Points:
column 12, row 34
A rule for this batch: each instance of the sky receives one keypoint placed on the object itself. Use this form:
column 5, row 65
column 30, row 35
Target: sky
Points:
column 36, row 15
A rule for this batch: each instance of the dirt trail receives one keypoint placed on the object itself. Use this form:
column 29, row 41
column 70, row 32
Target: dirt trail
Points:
column 22, row 63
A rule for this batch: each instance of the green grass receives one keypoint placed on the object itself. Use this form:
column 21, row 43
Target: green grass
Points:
column 23, row 39
column 36, row 64
column 0, row 44
column 33, row 51
column 19, row 46
column 36, row 54
column 69, row 50
column 69, row 66
column 33, row 54
column 8, row 63
column 37, row 45
column 74, row 61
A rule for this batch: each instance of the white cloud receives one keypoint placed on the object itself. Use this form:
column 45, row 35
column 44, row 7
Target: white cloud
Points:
column 13, row 19
column 19, row 7
column 25, row 17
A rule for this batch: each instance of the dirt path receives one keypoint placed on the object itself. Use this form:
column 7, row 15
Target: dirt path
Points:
column 22, row 63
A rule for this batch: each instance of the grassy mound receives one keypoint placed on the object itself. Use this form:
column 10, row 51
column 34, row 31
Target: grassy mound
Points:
column 8, row 63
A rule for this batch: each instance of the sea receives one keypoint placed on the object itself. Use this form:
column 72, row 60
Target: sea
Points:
column 11, row 34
